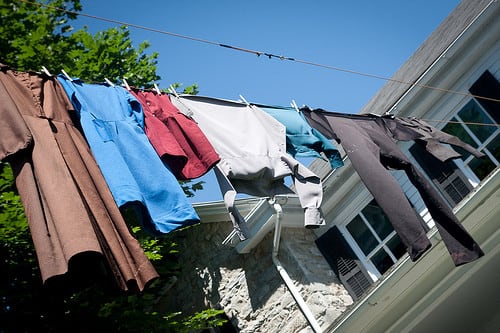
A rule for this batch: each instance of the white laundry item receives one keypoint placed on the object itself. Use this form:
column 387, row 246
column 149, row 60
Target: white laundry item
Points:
column 254, row 161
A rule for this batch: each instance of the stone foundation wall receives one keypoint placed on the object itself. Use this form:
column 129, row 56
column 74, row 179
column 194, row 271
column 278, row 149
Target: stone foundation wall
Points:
column 248, row 286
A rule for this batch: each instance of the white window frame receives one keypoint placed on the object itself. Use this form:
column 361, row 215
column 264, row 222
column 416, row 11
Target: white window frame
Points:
column 372, row 270
column 463, row 165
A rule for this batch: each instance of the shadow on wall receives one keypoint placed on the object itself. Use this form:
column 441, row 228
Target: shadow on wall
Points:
column 213, row 275
column 211, row 272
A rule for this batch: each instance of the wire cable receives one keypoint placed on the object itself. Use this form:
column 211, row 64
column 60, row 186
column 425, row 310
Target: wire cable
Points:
column 259, row 53
column 460, row 122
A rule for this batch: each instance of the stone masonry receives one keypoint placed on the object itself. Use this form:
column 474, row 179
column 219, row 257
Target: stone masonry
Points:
column 248, row 286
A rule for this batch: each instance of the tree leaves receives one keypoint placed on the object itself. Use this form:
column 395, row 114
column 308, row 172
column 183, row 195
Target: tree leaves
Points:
column 110, row 54
column 33, row 35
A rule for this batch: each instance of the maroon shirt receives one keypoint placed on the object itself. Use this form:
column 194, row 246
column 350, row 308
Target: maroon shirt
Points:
column 177, row 139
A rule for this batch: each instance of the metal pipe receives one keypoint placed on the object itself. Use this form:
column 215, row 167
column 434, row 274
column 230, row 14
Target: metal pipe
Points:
column 284, row 275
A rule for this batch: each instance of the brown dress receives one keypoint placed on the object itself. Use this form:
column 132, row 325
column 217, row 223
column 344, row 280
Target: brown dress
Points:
column 77, row 229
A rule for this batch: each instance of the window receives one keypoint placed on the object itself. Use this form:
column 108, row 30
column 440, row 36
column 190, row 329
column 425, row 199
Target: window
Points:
column 448, row 178
column 483, row 137
column 473, row 126
column 361, row 251
column 344, row 262
column 376, row 238
column 367, row 246
column 476, row 123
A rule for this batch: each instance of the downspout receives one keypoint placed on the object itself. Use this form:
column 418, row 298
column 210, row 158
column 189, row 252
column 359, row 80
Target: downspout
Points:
column 284, row 275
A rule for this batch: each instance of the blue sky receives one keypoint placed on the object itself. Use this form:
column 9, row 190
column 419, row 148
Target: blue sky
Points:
column 374, row 37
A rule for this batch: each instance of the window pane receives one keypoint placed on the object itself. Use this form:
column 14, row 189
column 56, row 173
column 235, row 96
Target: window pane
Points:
column 482, row 167
column 488, row 86
column 494, row 148
column 382, row 261
column 472, row 113
column 396, row 246
column 459, row 131
column 377, row 219
column 363, row 236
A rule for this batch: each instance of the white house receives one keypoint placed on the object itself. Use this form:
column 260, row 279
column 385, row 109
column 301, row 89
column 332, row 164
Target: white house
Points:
column 349, row 276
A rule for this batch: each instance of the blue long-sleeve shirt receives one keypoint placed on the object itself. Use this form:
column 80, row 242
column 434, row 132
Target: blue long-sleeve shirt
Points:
column 113, row 123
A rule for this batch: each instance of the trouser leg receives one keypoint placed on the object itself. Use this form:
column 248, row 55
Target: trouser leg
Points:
column 460, row 244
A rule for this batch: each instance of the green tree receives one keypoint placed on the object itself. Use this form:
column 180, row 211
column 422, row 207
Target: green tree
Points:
column 31, row 36
column 99, row 55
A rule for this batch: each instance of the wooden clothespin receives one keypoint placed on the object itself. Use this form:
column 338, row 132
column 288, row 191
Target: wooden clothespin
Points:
column 46, row 71
column 126, row 83
column 109, row 82
column 157, row 89
column 66, row 74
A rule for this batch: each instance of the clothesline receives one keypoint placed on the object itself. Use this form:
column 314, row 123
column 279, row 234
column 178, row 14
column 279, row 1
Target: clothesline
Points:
column 459, row 122
column 427, row 120
column 171, row 90
column 259, row 53
column 120, row 154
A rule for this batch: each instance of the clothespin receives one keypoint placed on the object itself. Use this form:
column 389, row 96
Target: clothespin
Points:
column 109, row 82
column 294, row 105
column 66, row 74
column 157, row 89
column 126, row 83
column 392, row 109
column 244, row 100
column 46, row 71
column 172, row 91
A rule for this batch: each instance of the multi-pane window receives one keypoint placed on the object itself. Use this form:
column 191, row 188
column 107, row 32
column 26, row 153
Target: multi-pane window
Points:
column 477, row 127
column 476, row 123
column 344, row 262
column 362, row 250
column 376, row 238
column 367, row 246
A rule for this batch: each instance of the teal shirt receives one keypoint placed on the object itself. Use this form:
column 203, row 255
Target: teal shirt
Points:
column 301, row 139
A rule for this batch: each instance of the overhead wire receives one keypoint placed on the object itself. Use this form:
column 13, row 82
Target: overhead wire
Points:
column 427, row 120
column 260, row 53
column 460, row 122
